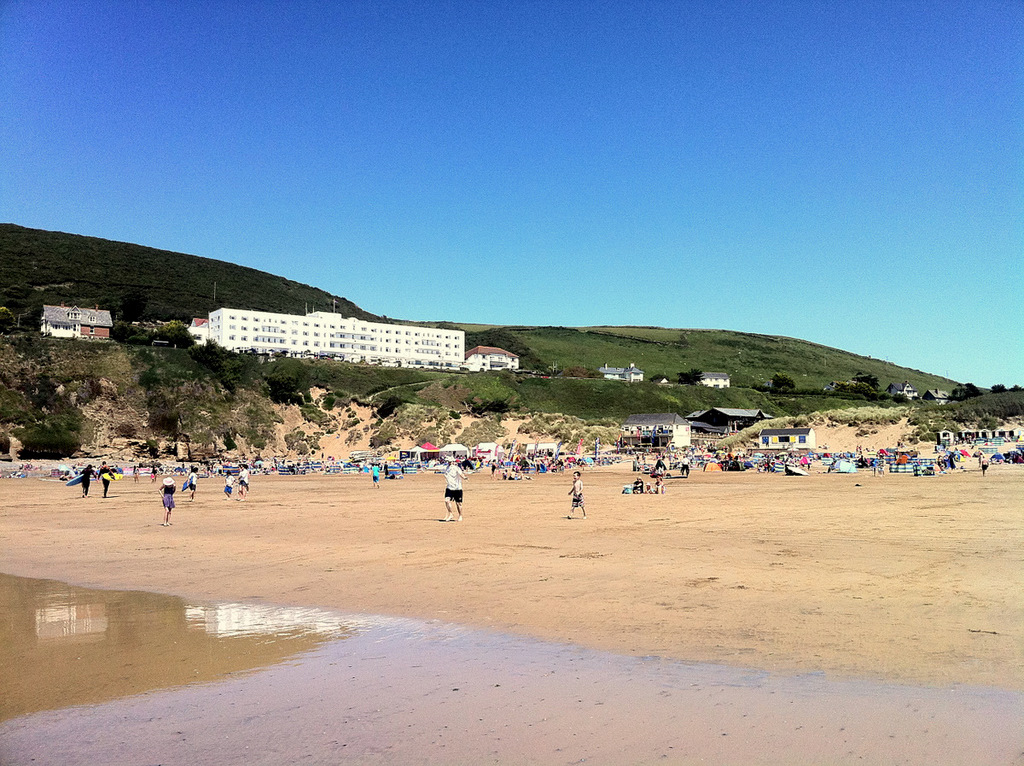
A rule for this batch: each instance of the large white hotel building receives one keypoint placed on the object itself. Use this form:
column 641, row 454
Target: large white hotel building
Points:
column 326, row 334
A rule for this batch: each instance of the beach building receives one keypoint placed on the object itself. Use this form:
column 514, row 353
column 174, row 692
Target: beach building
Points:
column 200, row 329
column 631, row 374
column 74, row 322
column 936, row 396
column 787, row 438
column 714, row 379
column 658, row 430
column 329, row 335
column 731, row 419
column 482, row 358
column 902, row 388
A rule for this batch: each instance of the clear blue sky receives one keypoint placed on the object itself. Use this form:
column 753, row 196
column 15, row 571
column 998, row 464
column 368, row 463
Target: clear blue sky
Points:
column 851, row 173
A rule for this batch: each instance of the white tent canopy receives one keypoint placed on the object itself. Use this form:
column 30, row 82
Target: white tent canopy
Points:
column 488, row 448
column 541, row 447
column 455, row 450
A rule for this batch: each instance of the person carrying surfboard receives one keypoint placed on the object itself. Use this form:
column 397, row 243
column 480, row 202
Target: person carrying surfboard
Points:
column 87, row 473
column 105, row 477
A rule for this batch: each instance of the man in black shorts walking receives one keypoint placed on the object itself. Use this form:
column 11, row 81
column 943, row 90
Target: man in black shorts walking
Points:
column 453, row 475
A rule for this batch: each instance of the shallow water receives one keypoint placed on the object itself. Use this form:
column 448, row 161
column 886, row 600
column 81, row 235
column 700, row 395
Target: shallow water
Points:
column 101, row 664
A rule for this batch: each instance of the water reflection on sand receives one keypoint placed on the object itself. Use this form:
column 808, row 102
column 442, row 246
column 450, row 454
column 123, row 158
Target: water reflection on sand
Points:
column 61, row 645
column 403, row 691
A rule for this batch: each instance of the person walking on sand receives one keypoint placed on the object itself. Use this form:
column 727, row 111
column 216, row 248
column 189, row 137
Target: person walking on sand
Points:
column 105, row 477
column 87, row 473
column 453, row 476
column 135, row 473
column 577, row 495
column 229, row 486
column 243, row 483
column 983, row 461
column 191, row 483
column 375, row 472
column 167, row 491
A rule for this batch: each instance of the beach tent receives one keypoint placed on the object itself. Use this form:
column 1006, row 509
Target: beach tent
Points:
column 428, row 451
column 712, row 467
column 541, row 447
column 488, row 450
column 454, row 451
column 845, row 466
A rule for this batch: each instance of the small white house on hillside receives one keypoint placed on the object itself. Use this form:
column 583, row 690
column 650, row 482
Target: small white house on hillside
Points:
column 480, row 358
column 74, row 322
column 200, row 329
column 902, row 388
column 714, row 379
column 631, row 374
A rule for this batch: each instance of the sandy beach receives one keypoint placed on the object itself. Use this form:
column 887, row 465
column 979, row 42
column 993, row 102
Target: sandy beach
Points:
column 899, row 578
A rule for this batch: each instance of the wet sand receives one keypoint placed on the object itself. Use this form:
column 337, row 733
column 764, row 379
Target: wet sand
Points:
column 901, row 579
column 398, row 691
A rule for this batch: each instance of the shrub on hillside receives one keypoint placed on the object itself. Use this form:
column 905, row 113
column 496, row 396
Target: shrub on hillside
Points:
column 486, row 430
column 287, row 380
column 49, row 439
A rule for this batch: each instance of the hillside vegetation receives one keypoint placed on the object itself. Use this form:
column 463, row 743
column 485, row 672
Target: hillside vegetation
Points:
column 134, row 282
column 749, row 359
column 137, row 282
column 66, row 397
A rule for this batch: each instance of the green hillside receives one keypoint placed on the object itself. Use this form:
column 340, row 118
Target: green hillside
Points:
column 134, row 282
column 137, row 282
column 749, row 359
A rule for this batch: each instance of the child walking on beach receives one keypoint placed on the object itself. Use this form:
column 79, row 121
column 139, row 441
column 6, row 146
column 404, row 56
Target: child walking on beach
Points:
column 577, row 495
column 167, row 490
column 229, row 485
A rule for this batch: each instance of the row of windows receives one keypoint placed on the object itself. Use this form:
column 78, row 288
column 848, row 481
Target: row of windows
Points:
column 784, row 439
column 295, row 322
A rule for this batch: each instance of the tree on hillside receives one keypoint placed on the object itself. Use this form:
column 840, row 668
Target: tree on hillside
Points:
column 965, row 391
column 782, row 382
column 175, row 333
column 133, row 306
column 578, row 371
column 6, row 319
column 998, row 388
column 691, row 378
column 867, row 379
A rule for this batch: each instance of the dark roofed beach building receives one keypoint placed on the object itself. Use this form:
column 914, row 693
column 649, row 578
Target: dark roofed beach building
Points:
column 661, row 430
column 728, row 418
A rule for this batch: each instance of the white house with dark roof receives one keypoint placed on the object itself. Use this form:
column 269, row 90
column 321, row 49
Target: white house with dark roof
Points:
column 74, row 322
column 936, row 396
column 787, row 438
column 902, row 388
column 631, row 374
column 481, row 358
column 657, row 431
column 714, row 379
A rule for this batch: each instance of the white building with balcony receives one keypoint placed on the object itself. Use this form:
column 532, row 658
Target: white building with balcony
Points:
column 480, row 358
column 326, row 334
column 714, row 379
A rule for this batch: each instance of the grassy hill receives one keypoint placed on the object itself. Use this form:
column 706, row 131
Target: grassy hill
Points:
column 749, row 359
column 135, row 282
